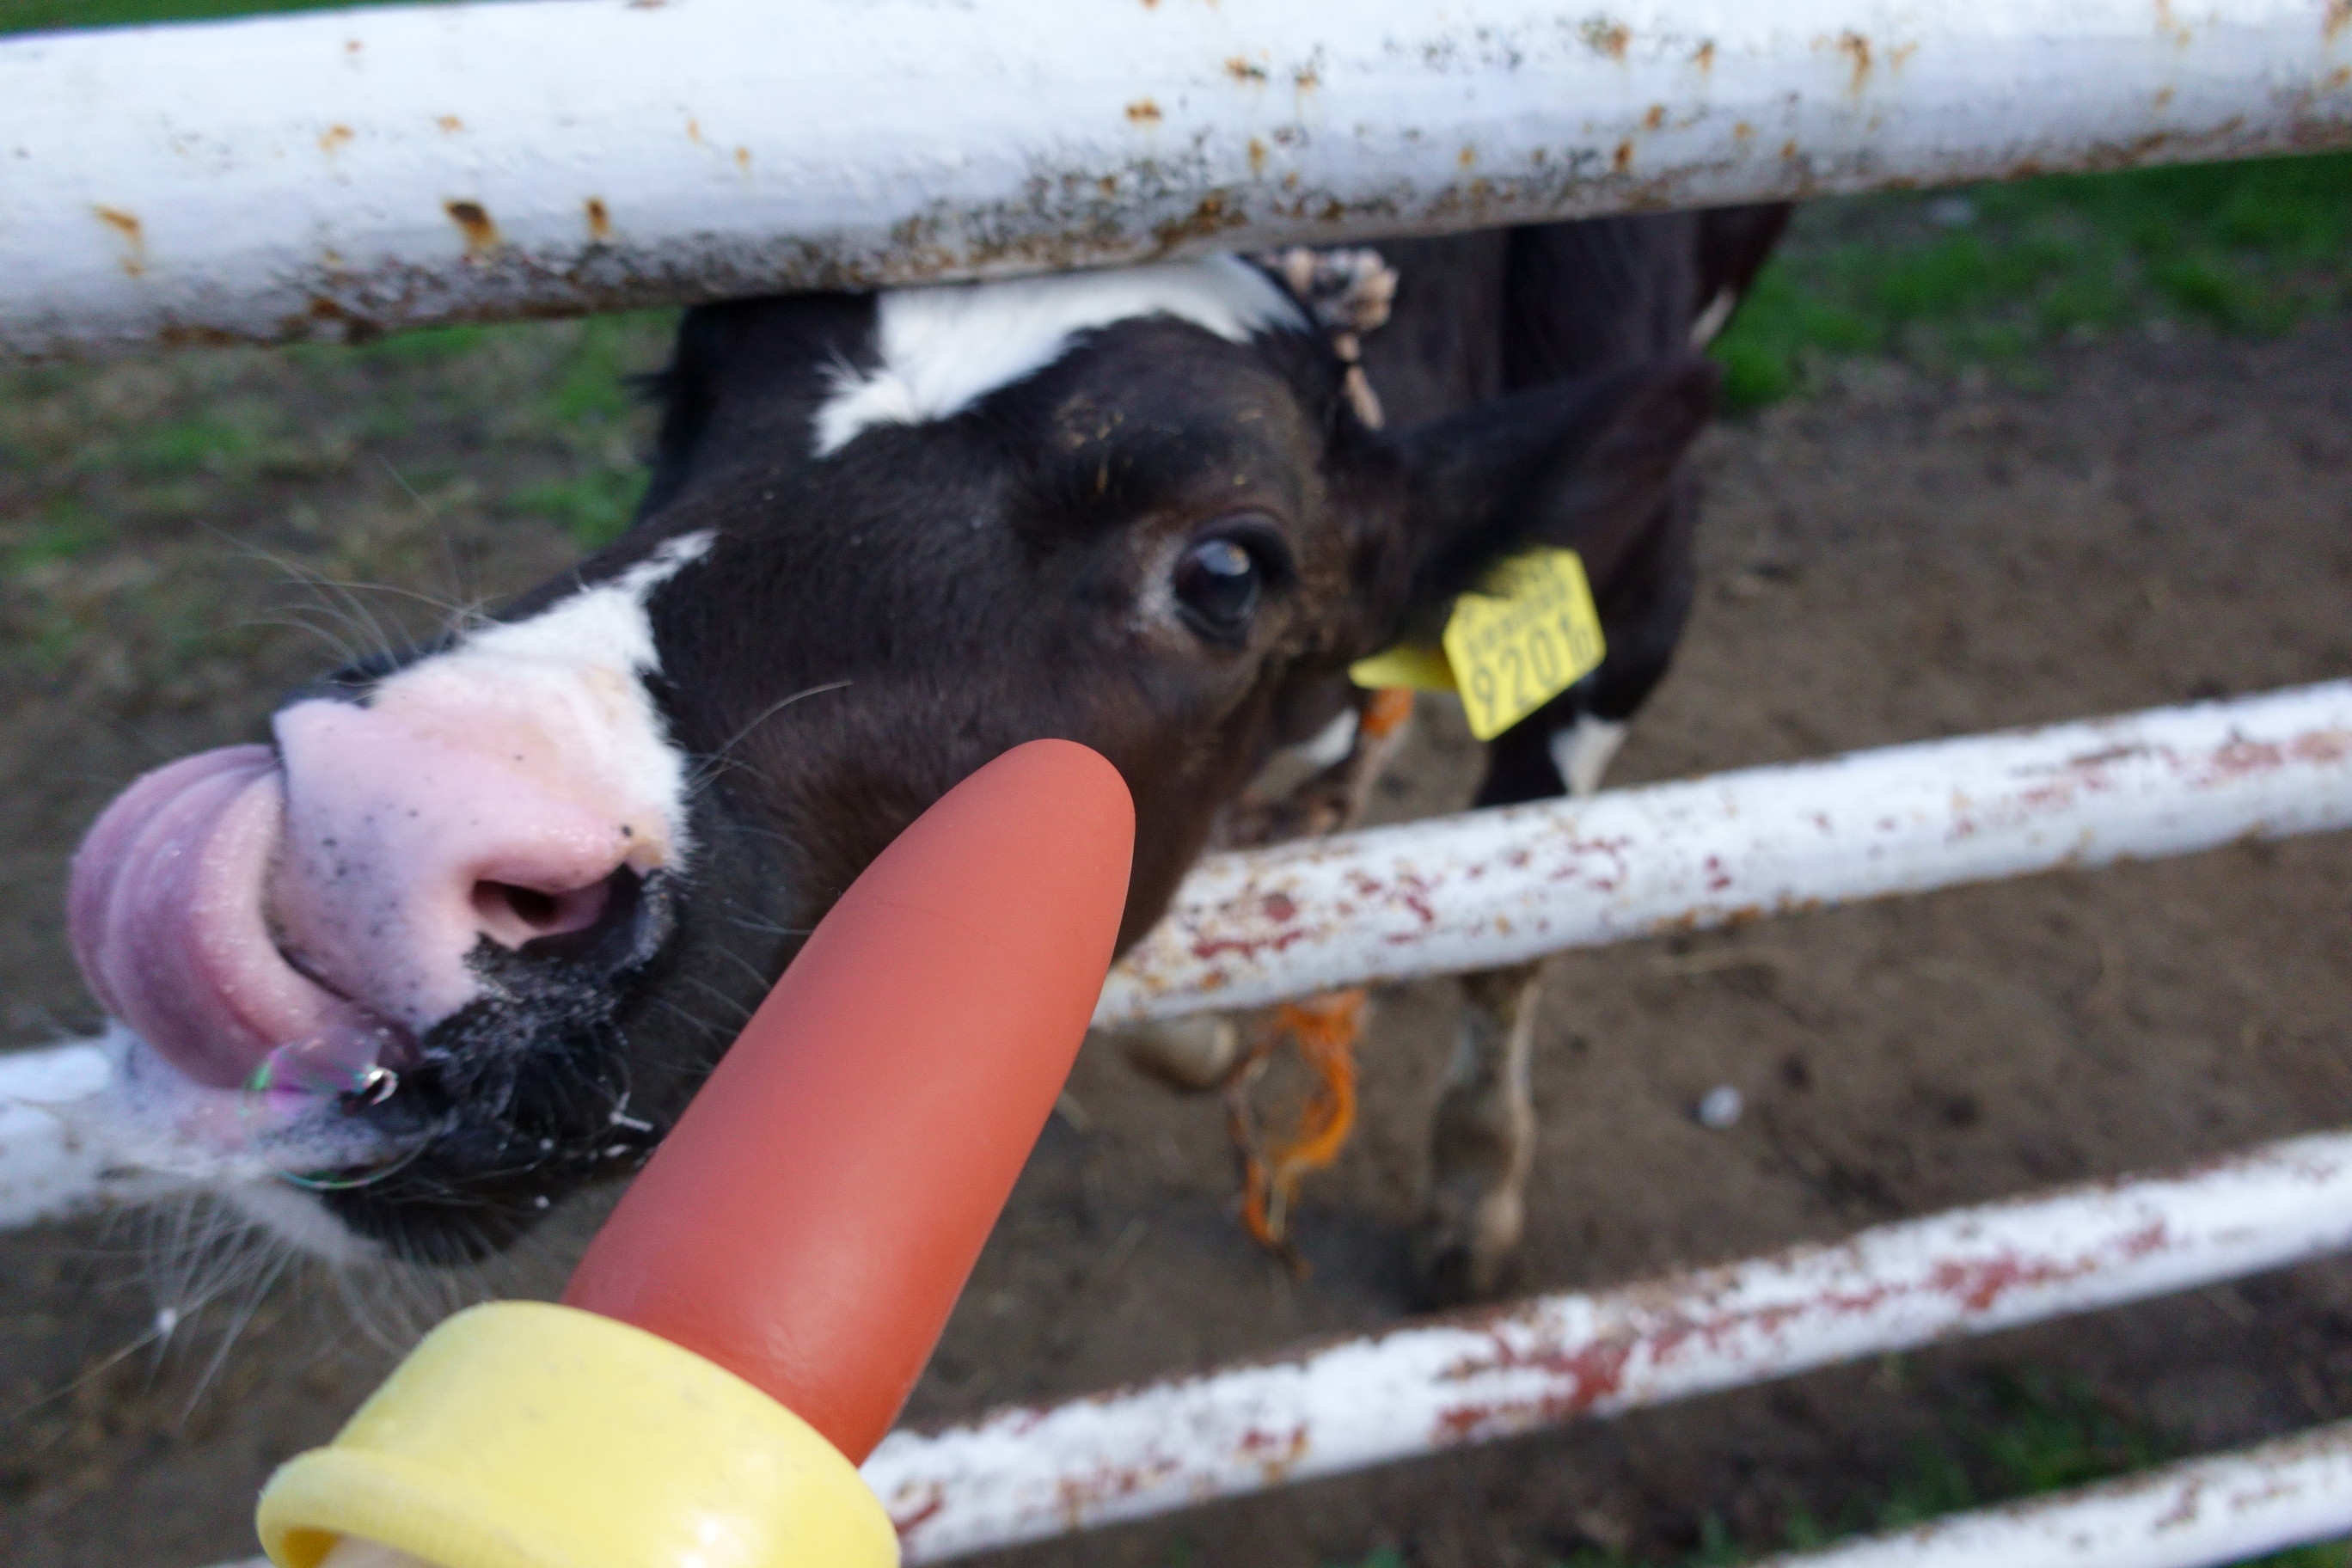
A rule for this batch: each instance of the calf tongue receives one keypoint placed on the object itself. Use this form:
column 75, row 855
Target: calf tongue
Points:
column 167, row 917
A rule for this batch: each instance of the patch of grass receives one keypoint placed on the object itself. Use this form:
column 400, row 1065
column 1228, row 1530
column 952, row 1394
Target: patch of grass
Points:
column 63, row 534
column 2046, row 1437
column 207, row 444
column 592, row 506
column 44, row 15
column 431, row 345
column 589, row 404
column 2041, row 1436
column 595, row 386
column 2325, row 1554
column 1988, row 275
column 1780, row 322
column 54, row 641
column 582, row 391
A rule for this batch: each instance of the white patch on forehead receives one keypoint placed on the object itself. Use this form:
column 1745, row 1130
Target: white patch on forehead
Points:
column 942, row 349
column 570, row 683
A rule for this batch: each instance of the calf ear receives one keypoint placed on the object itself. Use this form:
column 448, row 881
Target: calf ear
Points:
column 1581, row 465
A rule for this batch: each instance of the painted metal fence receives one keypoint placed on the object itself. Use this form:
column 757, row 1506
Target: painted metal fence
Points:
column 1494, row 887
column 1490, row 887
column 1024, row 1473
column 394, row 167
column 2224, row 1508
column 409, row 166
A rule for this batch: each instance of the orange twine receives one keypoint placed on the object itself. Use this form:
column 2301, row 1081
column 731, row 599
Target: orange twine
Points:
column 1325, row 1029
column 1387, row 708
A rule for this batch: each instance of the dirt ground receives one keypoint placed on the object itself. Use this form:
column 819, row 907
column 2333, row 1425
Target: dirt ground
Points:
column 1891, row 559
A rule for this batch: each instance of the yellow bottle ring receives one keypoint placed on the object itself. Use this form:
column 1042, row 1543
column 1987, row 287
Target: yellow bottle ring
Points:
column 524, row 1434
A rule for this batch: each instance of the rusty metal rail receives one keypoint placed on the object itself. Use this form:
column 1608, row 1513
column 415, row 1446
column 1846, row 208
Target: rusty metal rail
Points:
column 1025, row 1473
column 2226, row 1508
column 1490, row 887
column 1028, row 1473
column 343, row 174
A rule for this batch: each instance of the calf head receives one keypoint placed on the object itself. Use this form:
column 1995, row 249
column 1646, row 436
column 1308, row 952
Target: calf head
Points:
column 467, row 930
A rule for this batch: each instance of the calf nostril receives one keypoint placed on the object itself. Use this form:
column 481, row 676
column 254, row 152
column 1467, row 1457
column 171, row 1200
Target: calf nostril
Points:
column 511, row 914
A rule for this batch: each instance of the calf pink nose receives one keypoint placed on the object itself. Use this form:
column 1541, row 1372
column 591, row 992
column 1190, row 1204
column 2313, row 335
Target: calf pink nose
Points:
column 404, row 850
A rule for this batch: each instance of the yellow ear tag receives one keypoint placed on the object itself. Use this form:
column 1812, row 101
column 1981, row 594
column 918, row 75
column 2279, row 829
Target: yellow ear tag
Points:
column 1415, row 666
column 1530, row 633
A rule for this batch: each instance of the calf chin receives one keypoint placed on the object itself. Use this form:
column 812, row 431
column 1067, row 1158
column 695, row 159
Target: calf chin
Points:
column 518, row 1097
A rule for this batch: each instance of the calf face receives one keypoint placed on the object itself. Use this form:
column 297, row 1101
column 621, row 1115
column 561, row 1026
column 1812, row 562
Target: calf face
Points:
column 465, row 932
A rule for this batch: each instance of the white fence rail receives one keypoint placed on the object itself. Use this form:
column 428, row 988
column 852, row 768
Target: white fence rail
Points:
column 346, row 174
column 2224, row 1508
column 1488, row 888
column 406, row 166
column 49, row 1166
column 1026, row 1473
column 1491, row 887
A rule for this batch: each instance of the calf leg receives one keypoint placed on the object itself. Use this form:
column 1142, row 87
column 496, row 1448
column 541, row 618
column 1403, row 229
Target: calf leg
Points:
column 1483, row 1140
column 1578, row 298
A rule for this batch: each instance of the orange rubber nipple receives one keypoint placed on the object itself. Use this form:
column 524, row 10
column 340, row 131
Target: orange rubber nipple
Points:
column 811, row 1220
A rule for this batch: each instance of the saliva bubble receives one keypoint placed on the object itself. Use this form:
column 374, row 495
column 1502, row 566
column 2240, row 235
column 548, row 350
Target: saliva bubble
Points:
column 297, row 1078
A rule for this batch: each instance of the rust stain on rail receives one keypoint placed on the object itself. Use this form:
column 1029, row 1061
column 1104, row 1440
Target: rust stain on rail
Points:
column 1080, row 1498
column 1856, row 50
column 1607, row 35
column 134, row 237
column 474, row 222
column 1275, row 1453
column 1137, row 204
column 1979, row 1284
column 1666, row 1322
column 1024, row 1471
column 1371, row 909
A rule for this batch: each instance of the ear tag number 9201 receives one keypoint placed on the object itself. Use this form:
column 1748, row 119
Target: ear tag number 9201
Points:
column 1528, row 634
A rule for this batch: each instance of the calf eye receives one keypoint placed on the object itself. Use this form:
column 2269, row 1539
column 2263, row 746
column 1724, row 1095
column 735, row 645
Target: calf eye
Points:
column 1218, row 582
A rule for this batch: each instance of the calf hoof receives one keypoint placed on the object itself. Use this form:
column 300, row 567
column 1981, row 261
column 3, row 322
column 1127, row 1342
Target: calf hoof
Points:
column 1459, row 1257
column 1194, row 1052
column 1455, row 1277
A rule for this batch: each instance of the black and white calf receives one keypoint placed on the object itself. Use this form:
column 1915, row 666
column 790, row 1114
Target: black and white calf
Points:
column 465, row 929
